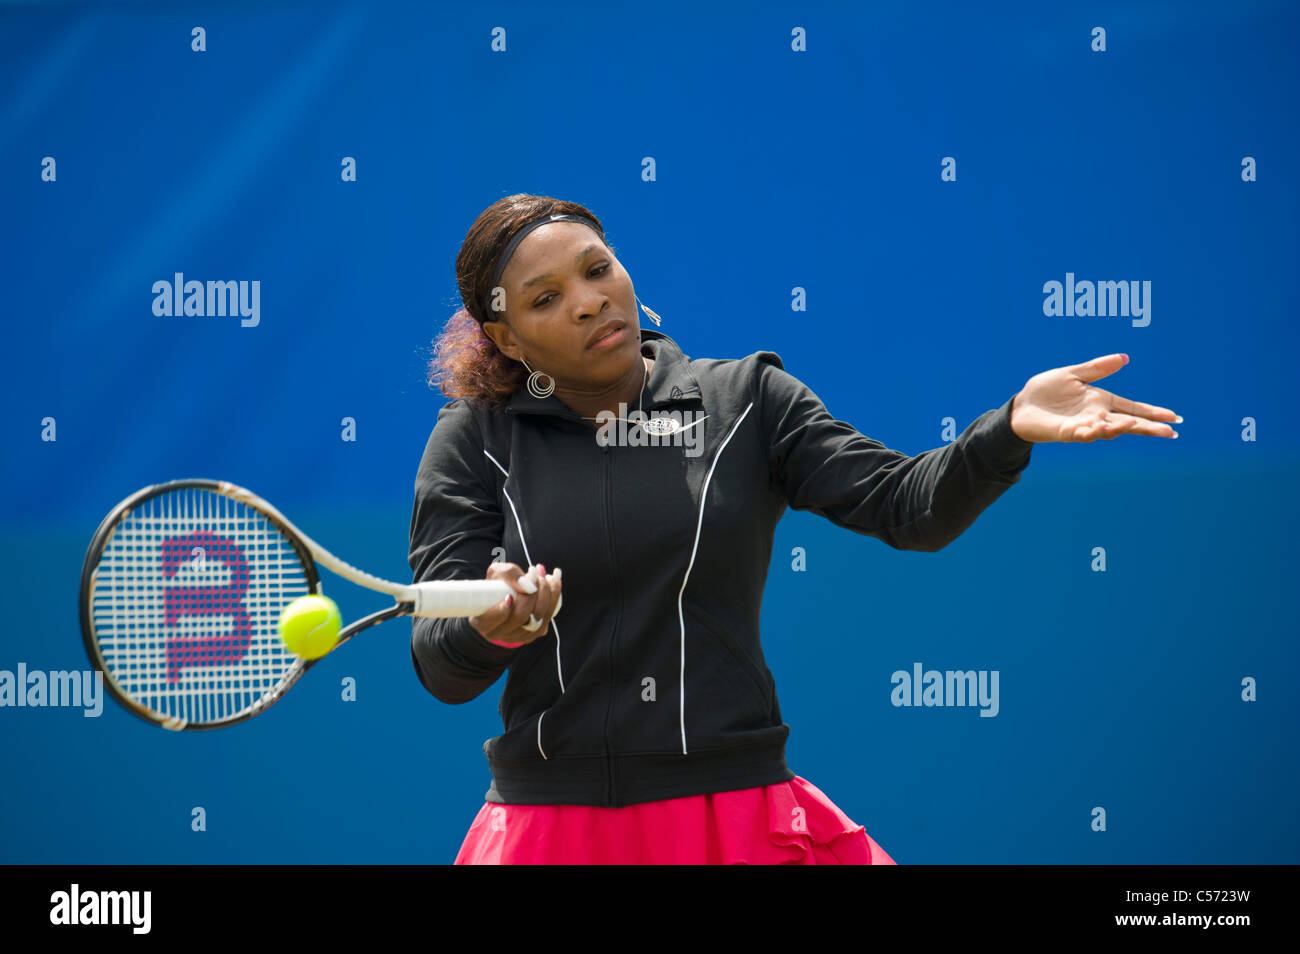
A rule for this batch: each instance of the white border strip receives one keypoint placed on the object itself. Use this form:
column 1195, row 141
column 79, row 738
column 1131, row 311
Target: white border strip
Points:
column 519, row 526
column 704, row 496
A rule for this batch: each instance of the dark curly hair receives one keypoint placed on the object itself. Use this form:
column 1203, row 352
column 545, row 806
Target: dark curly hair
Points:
column 466, row 362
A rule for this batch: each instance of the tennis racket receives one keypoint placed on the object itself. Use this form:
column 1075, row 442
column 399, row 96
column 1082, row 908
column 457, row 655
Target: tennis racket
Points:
column 181, row 595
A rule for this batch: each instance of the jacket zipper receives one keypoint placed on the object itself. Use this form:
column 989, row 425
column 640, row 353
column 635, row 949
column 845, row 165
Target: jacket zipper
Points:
column 613, row 636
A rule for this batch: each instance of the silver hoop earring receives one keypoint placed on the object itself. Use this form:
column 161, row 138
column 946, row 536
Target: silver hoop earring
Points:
column 535, row 389
column 649, row 314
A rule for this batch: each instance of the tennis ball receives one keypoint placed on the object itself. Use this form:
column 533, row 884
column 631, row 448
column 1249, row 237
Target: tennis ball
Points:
column 310, row 625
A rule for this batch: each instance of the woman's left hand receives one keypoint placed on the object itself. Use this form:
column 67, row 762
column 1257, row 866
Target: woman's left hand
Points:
column 1059, row 405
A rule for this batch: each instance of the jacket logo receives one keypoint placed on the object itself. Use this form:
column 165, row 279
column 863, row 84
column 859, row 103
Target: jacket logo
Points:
column 636, row 428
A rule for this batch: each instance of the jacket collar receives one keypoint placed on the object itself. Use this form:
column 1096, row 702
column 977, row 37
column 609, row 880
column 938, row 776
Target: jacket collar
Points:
column 671, row 381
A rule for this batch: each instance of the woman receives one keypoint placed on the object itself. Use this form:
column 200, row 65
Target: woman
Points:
column 584, row 457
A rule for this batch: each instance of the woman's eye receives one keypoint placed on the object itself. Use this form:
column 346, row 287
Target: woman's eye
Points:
column 595, row 272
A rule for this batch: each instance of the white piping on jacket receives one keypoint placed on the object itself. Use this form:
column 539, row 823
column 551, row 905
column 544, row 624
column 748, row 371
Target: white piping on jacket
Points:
column 704, row 496
column 520, row 527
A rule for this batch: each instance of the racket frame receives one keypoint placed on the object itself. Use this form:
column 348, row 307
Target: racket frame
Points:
column 304, row 548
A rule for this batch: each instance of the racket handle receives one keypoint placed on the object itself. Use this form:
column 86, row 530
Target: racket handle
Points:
column 448, row 598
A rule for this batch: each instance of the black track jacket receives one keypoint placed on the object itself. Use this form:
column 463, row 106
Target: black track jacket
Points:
column 651, row 683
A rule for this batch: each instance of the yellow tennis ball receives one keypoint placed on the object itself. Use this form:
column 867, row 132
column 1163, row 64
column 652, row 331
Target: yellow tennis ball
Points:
column 310, row 625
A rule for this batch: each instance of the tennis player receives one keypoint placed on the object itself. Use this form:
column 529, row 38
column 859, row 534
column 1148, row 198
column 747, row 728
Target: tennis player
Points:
column 629, row 495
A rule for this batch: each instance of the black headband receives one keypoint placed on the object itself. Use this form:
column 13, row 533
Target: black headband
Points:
column 519, row 237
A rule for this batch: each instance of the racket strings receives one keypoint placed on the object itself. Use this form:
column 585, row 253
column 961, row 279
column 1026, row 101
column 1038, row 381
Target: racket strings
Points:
column 186, row 602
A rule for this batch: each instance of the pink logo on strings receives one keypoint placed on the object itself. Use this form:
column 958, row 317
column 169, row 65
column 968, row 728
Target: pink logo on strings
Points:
column 200, row 547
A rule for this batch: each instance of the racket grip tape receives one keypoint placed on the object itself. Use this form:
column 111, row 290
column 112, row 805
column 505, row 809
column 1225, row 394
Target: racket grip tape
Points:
column 452, row 598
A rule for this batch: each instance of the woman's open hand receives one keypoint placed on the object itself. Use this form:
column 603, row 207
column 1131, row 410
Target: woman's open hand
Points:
column 526, row 614
column 1059, row 405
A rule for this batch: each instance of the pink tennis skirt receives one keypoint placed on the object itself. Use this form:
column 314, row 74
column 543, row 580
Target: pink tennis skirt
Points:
column 790, row 823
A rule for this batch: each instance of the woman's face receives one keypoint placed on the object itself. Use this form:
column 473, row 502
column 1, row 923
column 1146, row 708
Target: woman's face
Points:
column 563, row 289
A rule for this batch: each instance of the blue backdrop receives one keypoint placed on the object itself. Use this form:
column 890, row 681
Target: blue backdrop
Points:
column 919, row 170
